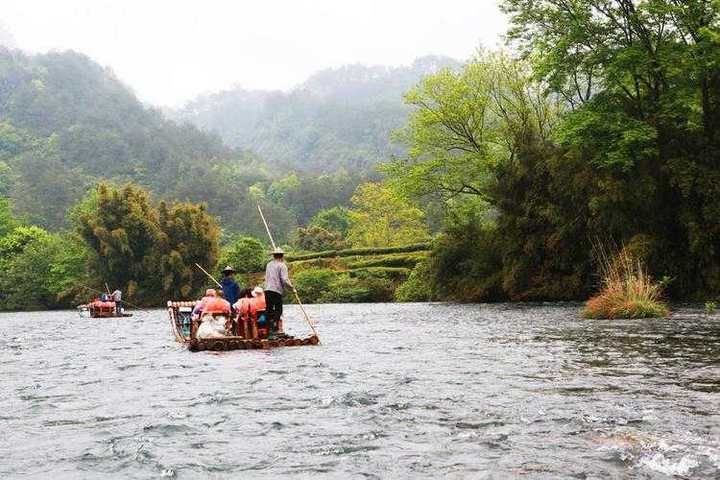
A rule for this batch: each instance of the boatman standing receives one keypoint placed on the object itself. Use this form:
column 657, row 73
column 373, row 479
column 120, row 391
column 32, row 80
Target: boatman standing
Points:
column 231, row 289
column 117, row 298
column 276, row 279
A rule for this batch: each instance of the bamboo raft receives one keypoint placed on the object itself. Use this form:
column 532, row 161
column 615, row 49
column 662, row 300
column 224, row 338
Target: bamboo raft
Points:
column 185, row 331
column 99, row 309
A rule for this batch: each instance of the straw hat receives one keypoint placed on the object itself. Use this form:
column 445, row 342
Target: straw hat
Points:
column 278, row 251
column 228, row 269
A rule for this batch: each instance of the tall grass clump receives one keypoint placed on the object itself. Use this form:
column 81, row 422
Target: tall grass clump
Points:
column 627, row 290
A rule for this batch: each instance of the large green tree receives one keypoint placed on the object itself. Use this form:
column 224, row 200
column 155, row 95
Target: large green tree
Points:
column 188, row 236
column 148, row 251
column 381, row 218
column 643, row 80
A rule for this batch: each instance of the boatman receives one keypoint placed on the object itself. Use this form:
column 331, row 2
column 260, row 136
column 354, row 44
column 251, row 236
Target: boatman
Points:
column 231, row 289
column 116, row 297
column 276, row 279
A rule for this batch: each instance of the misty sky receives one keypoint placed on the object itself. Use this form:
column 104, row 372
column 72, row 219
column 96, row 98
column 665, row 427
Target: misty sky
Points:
column 170, row 51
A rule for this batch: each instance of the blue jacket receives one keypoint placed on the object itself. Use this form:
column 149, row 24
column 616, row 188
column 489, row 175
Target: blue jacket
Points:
column 231, row 290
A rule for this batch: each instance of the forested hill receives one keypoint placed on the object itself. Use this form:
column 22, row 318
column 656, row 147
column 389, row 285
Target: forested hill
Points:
column 338, row 119
column 66, row 122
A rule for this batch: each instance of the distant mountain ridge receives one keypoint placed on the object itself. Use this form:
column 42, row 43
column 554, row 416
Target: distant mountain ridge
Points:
column 337, row 119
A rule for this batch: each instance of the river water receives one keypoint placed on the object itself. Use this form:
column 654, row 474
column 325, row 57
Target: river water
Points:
column 394, row 391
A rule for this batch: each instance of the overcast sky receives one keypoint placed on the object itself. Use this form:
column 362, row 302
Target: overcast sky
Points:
column 169, row 51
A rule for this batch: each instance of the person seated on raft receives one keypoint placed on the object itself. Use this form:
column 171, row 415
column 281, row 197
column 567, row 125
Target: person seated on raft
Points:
column 243, row 309
column 265, row 328
column 211, row 303
column 216, row 316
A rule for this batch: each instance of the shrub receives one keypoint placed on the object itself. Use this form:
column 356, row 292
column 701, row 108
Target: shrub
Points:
column 352, row 252
column 347, row 290
column 388, row 273
column 417, row 287
column 402, row 260
column 313, row 284
column 466, row 262
column 315, row 239
column 245, row 255
column 627, row 290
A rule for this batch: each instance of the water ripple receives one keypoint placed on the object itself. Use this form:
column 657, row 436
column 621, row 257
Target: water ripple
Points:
column 394, row 391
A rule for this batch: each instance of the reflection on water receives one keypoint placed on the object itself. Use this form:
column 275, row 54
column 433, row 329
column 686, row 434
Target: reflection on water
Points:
column 394, row 391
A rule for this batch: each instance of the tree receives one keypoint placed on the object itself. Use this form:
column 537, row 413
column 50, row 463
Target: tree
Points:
column 336, row 219
column 188, row 235
column 123, row 230
column 245, row 255
column 643, row 81
column 7, row 220
column 381, row 218
column 23, row 267
column 147, row 251
column 466, row 123
column 316, row 239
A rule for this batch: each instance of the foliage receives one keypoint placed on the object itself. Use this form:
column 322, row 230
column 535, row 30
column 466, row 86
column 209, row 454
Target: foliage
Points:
column 710, row 308
column 7, row 219
column 336, row 219
column 19, row 238
column 627, row 291
column 417, row 287
column 351, row 252
column 401, row 260
column 146, row 251
column 39, row 269
column 338, row 119
column 188, row 236
column 643, row 82
column 466, row 262
column 313, row 284
column 465, row 123
column 245, row 255
column 381, row 218
column 315, row 239
column 387, row 273
column 346, row 289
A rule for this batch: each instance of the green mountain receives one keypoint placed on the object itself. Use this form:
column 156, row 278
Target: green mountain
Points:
column 338, row 119
column 66, row 122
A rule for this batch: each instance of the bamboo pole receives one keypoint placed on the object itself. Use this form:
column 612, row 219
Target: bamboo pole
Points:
column 209, row 276
column 267, row 229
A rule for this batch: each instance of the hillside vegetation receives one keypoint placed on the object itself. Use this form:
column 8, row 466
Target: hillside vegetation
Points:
column 67, row 123
column 338, row 119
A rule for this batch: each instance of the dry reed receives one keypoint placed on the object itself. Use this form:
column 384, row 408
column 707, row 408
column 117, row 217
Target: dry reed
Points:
column 627, row 290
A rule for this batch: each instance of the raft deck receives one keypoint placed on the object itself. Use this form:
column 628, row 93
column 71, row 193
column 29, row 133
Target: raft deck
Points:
column 184, row 329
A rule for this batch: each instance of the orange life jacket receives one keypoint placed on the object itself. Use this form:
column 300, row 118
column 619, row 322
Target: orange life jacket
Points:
column 216, row 305
column 245, row 307
column 259, row 303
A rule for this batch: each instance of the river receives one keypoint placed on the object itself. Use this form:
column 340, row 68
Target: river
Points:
column 393, row 391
